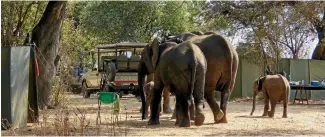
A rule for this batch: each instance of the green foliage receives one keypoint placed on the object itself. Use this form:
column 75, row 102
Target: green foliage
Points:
column 175, row 17
column 19, row 18
column 115, row 21
column 89, row 23
column 249, row 52
column 73, row 41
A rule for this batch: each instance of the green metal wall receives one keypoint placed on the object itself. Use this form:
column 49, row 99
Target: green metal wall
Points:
column 15, row 85
column 250, row 73
column 284, row 65
column 247, row 73
column 298, row 69
column 317, row 71
column 237, row 88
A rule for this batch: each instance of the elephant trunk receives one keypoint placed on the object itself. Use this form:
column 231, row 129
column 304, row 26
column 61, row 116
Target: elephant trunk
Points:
column 141, row 79
column 254, row 102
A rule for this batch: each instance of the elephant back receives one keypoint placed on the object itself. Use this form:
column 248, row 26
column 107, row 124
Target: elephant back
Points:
column 276, row 81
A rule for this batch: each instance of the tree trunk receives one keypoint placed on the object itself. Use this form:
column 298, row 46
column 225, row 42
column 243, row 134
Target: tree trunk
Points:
column 319, row 52
column 46, row 35
column 295, row 55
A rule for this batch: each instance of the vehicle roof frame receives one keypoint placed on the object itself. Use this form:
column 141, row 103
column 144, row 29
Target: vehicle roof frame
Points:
column 121, row 45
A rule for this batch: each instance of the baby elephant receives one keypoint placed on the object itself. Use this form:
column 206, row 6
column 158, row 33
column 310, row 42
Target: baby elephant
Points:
column 275, row 88
column 148, row 89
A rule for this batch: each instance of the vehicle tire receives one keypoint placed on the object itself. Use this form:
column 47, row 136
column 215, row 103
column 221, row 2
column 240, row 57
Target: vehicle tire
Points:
column 120, row 95
column 73, row 90
column 77, row 90
column 110, row 71
column 69, row 89
column 85, row 91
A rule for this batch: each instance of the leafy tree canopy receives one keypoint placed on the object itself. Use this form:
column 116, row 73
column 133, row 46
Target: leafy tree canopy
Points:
column 114, row 21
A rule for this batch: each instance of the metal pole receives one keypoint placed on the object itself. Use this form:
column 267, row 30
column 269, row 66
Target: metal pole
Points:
column 98, row 59
column 33, row 114
column 116, row 56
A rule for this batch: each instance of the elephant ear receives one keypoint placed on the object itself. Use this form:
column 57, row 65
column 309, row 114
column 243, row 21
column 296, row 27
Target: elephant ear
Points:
column 260, row 83
column 155, row 52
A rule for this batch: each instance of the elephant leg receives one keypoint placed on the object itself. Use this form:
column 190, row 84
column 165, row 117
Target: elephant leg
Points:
column 224, row 104
column 266, row 104
column 160, row 110
column 271, row 113
column 166, row 104
column 208, row 95
column 285, row 110
column 192, row 111
column 285, row 104
column 148, row 102
column 147, row 106
column 199, row 116
column 184, row 111
column 155, row 103
column 198, row 95
column 177, row 112
column 174, row 113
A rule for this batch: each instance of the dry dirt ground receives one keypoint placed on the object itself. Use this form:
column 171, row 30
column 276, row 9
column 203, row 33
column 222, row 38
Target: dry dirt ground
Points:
column 302, row 120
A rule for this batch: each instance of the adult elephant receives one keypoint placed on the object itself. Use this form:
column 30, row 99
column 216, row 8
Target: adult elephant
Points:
column 181, row 68
column 275, row 88
column 222, row 64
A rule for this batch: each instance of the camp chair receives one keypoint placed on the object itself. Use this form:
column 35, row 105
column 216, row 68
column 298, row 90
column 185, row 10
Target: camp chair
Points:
column 108, row 98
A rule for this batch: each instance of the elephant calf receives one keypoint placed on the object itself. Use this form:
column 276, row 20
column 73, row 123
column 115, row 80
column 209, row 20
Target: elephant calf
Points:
column 275, row 88
column 148, row 89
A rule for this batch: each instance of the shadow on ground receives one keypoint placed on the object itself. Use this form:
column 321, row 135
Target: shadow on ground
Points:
column 245, row 116
column 267, row 132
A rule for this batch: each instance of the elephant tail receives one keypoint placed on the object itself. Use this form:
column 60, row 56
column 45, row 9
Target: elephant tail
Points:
column 193, row 68
column 192, row 80
column 288, row 93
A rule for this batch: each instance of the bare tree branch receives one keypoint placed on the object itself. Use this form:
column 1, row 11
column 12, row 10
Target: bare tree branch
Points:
column 22, row 17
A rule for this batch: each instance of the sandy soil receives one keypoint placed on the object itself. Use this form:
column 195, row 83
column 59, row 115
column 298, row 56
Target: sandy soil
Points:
column 302, row 120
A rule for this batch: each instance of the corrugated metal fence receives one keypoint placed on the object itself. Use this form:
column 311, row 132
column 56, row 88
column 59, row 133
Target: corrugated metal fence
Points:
column 298, row 69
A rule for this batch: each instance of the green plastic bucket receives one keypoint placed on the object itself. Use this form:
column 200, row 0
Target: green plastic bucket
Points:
column 107, row 97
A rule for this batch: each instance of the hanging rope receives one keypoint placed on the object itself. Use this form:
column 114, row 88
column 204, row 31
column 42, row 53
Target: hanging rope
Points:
column 41, row 59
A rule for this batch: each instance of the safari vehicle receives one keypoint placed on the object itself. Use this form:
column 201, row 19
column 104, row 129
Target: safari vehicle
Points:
column 75, row 79
column 115, row 69
column 79, row 68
